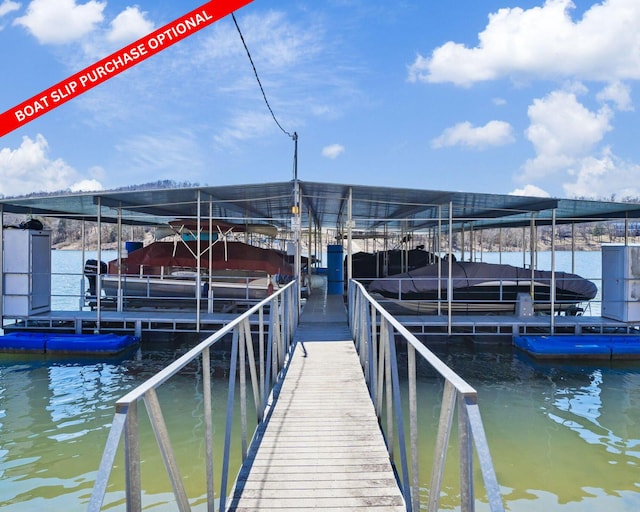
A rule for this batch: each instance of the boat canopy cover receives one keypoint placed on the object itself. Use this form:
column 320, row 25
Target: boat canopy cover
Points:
column 225, row 256
column 469, row 274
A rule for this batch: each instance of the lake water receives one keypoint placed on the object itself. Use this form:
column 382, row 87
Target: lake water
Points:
column 563, row 437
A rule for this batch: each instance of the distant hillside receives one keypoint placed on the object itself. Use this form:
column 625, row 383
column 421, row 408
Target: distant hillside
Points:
column 67, row 234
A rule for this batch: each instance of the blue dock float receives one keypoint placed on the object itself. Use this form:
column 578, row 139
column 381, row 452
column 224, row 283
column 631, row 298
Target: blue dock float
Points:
column 66, row 343
column 622, row 346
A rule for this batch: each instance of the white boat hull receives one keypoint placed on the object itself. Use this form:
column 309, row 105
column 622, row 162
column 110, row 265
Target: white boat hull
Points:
column 185, row 288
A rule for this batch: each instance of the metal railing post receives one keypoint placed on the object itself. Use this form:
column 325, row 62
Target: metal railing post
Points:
column 467, row 503
column 413, row 427
column 132, row 460
column 228, row 423
column 242, row 365
column 442, row 442
column 397, row 402
column 458, row 397
column 388, row 386
column 282, row 321
column 208, row 427
column 162, row 438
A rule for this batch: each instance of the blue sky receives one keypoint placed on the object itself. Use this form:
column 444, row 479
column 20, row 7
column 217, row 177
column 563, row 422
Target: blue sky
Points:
column 523, row 96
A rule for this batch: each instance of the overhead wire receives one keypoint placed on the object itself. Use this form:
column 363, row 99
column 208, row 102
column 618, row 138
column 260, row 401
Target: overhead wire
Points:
column 255, row 72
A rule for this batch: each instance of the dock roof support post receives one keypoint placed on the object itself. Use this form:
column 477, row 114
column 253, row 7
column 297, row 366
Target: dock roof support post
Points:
column 99, row 259
column 450, row 270
column 1, row 265
column 439, row 259
column 210, row 250
column 309, row 248
column 297, row 215
column 524, row 246
column 532, row 250
column 553, row 269
column 119, row 305
column 626, row 228
column 199, row 253
column 349, row 235
column 573, row 247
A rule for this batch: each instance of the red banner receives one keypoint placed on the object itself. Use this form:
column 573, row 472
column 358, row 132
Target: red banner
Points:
column 117, row 62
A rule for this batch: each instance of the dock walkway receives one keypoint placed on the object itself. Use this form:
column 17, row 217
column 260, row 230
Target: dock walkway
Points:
column 322, row 448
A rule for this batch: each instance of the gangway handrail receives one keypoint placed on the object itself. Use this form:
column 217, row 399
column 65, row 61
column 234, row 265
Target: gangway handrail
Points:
column 373, row 329
column 283, row 318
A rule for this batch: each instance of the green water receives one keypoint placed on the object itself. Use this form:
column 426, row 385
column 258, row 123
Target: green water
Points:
column 563, row 437
column 55, row 418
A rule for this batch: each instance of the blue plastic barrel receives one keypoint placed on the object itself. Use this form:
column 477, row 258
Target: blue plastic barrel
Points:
column 334, row 270
column 132, row 246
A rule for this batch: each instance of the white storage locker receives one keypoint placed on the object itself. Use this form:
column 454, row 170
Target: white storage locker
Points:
column 26, row 272
column 621, row 282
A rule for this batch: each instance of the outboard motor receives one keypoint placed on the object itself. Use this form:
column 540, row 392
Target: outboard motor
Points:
column 91, row 273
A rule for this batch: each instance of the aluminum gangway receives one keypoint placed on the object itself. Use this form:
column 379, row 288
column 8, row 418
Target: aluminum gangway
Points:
column 321, row 447
column 329, row 417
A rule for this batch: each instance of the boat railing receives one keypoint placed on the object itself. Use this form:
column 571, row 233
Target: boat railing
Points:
column 374, row 331
column 264, row 368
column 176, row 288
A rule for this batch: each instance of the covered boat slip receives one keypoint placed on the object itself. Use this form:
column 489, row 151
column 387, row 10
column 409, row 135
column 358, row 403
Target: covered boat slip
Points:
column 324, row 215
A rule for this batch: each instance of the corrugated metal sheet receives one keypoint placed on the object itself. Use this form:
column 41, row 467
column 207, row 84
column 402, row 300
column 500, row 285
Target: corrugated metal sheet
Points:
column 323, row 205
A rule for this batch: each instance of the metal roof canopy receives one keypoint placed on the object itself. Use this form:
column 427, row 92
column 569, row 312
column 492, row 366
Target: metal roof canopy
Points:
column 324, row 205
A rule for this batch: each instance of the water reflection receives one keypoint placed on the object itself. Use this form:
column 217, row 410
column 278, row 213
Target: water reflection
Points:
column 54, row 421
column 563, row 436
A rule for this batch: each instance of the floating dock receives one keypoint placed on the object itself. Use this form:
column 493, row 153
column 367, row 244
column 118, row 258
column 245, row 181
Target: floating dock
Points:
column 65, row 343
column 513, row 325
column 580, row 347
column 135, row 322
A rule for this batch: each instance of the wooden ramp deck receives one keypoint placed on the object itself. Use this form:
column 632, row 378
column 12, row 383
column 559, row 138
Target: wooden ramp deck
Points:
column 322, row 448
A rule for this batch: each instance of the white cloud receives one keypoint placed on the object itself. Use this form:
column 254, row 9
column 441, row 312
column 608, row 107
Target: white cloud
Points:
column 617, row 93
column 543, row 41
column 61, row 21
column 8, row 6
column 128, row 26
column 245, row 125
column 332, row 151
column 530, row 190
column 162, row 153
column 301, row 70
column 604, row 176
column 274, row 41
column 29, row 168
column 494, row 133
column 562, row 130
column 86, row 186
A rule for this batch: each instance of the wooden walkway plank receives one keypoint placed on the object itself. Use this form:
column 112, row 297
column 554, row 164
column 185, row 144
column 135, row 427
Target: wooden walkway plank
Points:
column 322, row 448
